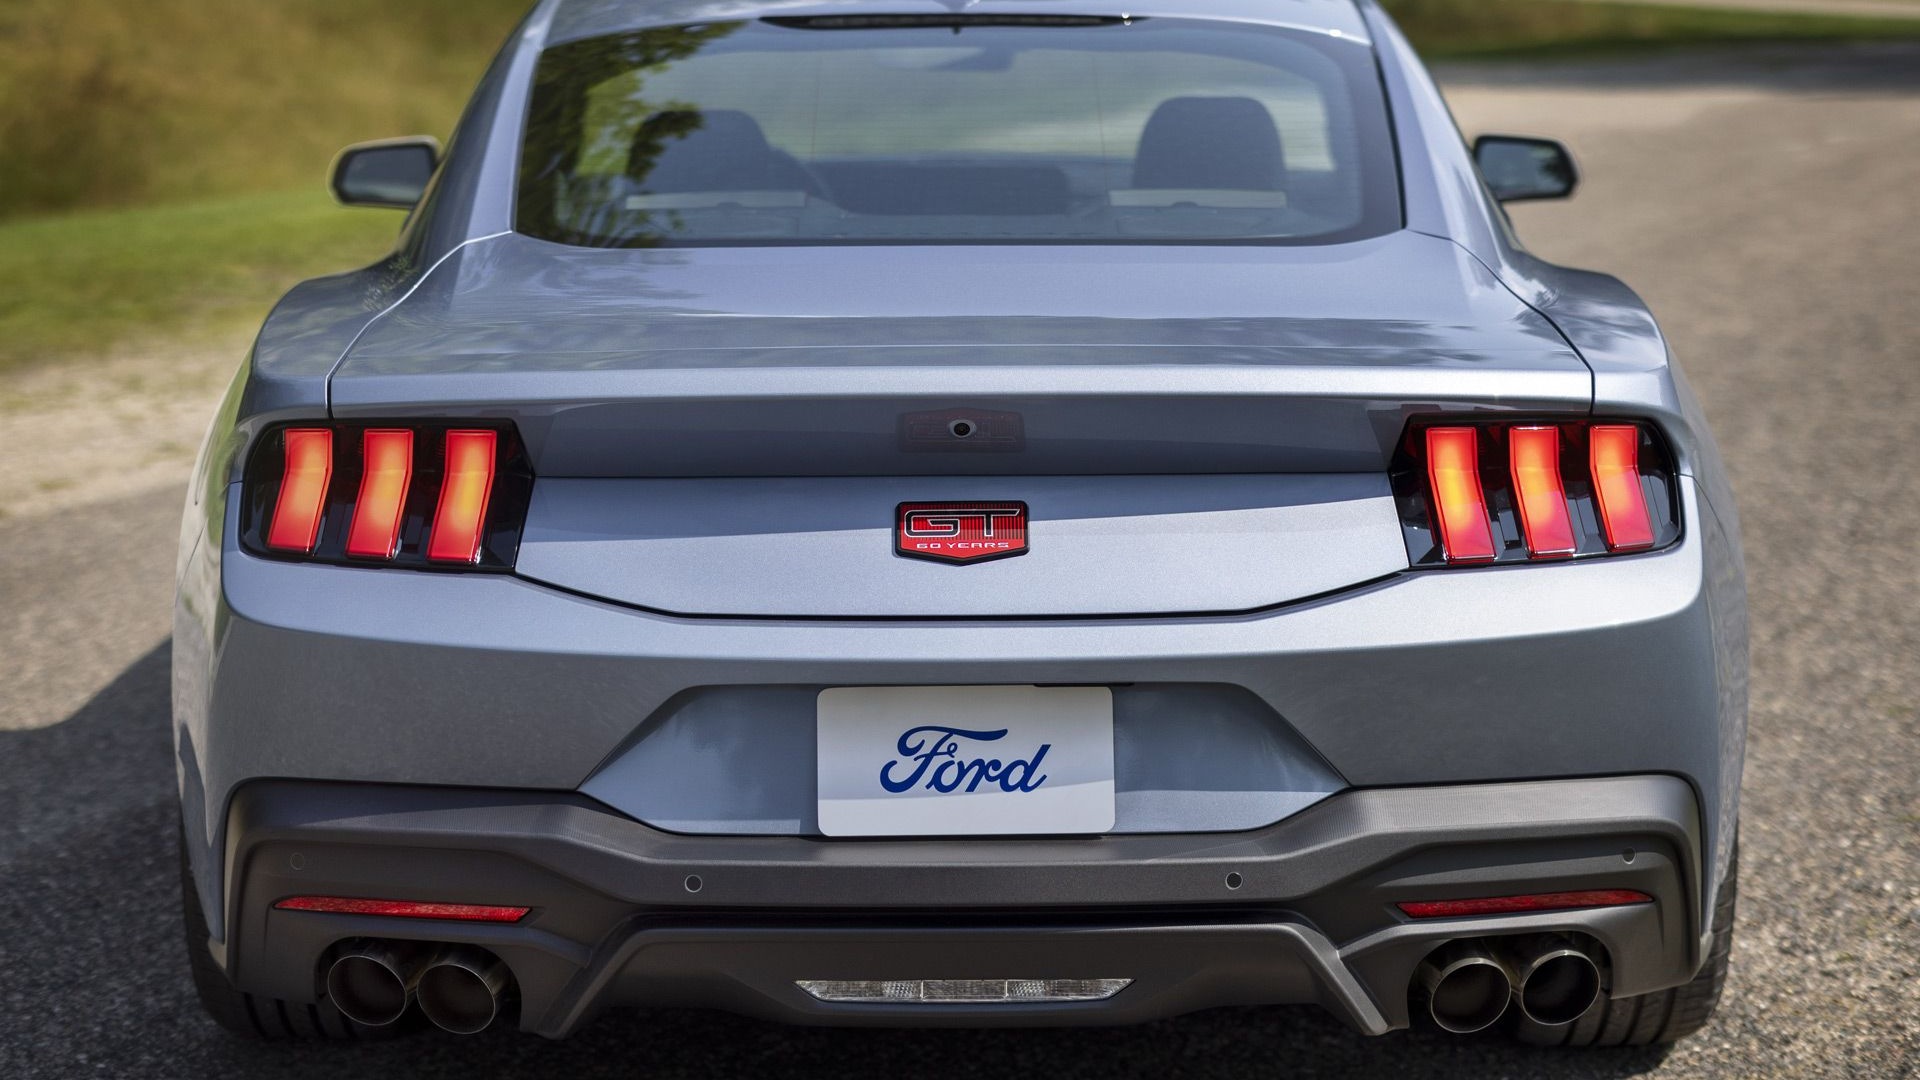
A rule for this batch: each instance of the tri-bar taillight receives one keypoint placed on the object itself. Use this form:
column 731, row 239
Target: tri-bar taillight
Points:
column 1477, row 492
column 437, row 495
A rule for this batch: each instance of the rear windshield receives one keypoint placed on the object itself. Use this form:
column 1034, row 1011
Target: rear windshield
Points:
column 957, row 129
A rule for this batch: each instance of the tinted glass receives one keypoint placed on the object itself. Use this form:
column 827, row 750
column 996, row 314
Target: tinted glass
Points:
column 957, row 129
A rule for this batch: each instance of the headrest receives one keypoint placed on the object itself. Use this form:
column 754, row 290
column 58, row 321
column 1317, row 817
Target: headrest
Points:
column 1210, row 143
column 701, row 150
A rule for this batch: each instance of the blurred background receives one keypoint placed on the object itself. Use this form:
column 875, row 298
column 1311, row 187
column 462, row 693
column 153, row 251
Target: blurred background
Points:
column 1753, row 168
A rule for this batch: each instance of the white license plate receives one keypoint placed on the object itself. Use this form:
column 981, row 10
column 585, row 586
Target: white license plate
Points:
column 965, row 760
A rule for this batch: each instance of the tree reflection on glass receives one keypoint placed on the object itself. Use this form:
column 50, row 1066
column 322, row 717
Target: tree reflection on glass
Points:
column 568, row 145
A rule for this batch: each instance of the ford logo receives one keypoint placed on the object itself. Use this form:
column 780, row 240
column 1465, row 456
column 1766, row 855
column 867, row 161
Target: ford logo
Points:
column 932, row 753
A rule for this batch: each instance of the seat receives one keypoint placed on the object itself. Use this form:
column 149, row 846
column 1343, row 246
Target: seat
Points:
column 689, row 150
column 1210, row 143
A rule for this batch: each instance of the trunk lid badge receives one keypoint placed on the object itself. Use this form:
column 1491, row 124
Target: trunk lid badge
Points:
column 960, row 532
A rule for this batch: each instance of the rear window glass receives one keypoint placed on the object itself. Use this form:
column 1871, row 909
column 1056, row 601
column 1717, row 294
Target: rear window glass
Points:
column 957, row 129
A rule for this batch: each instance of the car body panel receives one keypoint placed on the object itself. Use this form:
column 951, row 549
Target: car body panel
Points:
column 623, row 363
column 721, row 761
column 814, row 547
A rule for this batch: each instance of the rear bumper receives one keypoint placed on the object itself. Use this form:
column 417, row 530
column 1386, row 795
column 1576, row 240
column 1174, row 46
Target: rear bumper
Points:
column 1615, row 667
column 616, row 924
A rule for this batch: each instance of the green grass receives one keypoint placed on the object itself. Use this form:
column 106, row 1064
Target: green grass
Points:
column 83, row 283
column 131, row 102
column 1524, row 28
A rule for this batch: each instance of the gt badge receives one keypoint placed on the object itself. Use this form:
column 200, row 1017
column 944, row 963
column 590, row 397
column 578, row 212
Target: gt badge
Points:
column 961, row 532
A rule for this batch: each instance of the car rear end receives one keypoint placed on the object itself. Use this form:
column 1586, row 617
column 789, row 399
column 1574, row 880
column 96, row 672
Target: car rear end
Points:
column 907, row 626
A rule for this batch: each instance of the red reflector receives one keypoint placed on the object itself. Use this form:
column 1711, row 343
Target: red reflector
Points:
column 459, row 523
column 1509, row 905
column 1542, row 497
column 1616, row 487
column 1453, row 471
column 303, row 490
column 404, row 909
column 377, row 514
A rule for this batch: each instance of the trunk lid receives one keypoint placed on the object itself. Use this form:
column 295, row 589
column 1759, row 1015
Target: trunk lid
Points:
column 730, row 431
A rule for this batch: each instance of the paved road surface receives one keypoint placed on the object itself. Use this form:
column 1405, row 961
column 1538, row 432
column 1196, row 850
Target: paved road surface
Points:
column 1768, row 206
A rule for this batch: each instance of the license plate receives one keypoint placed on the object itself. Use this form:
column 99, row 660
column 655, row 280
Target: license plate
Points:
column 965, row 760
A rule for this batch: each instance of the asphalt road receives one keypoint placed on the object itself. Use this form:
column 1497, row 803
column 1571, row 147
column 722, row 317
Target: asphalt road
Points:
column 1768, row 206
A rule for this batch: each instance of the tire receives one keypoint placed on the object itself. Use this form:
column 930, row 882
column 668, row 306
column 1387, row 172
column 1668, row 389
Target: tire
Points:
column 250, row 1014
column 1664, row 1016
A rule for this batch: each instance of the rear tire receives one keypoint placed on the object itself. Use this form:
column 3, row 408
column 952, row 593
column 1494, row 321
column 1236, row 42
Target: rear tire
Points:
column 250, row 1014
column 1663, row 1016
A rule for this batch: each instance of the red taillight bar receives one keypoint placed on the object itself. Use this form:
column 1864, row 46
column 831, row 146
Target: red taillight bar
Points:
column 1511, row 905
column 1616, row 487
column 403, row 909
column 460, row 520
column 1453, row 471
column 1542, row 497
column 303, row 489
column 380, row 509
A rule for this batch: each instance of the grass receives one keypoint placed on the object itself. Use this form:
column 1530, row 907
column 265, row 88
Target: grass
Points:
column 83, row 283
column 1522, row 28
column 112, row 103
column 161, row 162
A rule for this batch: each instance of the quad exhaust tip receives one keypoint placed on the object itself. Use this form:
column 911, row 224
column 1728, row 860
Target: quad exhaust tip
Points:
column 1469, row 984
column 1467, row 987
column 1555, row 982
column 372, row 982
column 459, row 988
column 461, row 991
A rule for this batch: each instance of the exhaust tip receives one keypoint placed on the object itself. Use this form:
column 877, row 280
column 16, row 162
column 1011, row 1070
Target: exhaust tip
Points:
column 370, row 984
column 1467, row 989
column 1558, row 986
column 461, row 992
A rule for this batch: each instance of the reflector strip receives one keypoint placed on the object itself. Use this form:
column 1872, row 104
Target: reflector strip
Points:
column 1453, row 471
column 377, row 514
column 1509, row 905
column 1535, row 453
column 303, row 490
column 460, row 520
column 1616, row 487
column 403, row 909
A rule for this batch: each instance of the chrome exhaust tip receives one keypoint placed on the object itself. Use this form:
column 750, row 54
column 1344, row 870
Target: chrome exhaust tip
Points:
column 1555, row 981
column 461, row 990
column 1467, row 987
column 372, row 982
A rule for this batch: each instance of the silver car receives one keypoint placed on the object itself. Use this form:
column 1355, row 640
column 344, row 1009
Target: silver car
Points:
column 1022, row 512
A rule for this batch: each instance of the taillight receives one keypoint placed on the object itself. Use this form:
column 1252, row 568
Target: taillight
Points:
column 307, row 470
column 1459, row 502
column 381, row 509
column 1542, row 498
column 1474, row 493
column 1617, row 488
column 419, row 495
column 460, row 520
